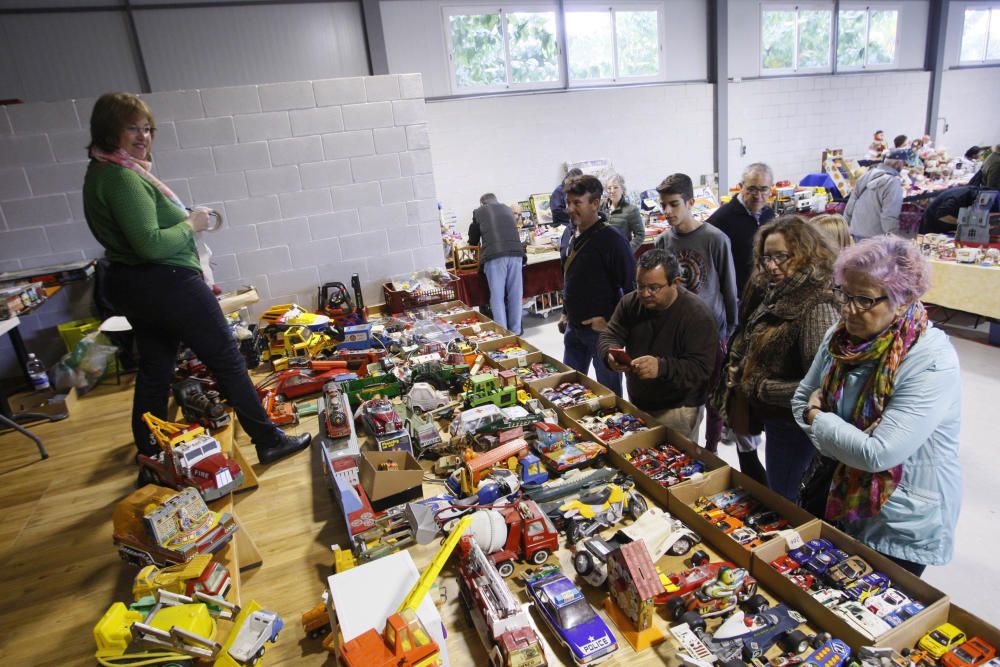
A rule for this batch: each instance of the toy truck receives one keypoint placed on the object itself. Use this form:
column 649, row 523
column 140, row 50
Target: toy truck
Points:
column 159, row 526
column 521, row 532
column 486, row 388
column 359, row 390
column 441, row 376
column 405, row 641
column 188, row 457
column 502, row 624
column 302, row 343
column 511, row 455
column 560, row 450
column 199, row 575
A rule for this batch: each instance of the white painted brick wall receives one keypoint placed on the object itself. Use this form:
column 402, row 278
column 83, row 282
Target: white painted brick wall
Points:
column 316, row 179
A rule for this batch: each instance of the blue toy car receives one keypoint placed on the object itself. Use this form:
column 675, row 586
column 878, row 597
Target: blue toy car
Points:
column 866, row 586
column 831, row 654
column 570, row 617
column 817, row 556
column 904, row 613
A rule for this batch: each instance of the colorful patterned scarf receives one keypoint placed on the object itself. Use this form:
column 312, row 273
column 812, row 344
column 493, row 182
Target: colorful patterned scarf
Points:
column 141, row 167
column 856, row 494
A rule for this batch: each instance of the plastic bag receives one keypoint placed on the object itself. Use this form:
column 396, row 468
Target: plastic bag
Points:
column 84, row 367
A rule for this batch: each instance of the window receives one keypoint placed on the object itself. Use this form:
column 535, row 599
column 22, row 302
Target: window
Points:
column 613, row 44
column 795, row 38
column 866, row 37
column 981, row 36
column 502, row 49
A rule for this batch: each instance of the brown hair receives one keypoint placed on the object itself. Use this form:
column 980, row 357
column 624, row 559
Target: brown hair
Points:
column 676, row 184
column 834, row 229
column 584, row 185
column 806, row 246
column 112, row 112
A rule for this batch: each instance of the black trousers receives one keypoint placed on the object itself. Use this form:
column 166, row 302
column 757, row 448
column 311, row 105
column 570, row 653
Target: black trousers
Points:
column 169, row 305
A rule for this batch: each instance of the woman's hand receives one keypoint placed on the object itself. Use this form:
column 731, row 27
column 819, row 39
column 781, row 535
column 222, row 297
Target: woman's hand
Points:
column 200, row 219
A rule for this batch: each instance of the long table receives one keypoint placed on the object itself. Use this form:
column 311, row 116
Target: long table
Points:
column 967, row 287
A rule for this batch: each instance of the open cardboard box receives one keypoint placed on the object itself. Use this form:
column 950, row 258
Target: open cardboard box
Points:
column 448, row 305
column 577, row 412
column 684, row 495
column 493, row 345
column 483, row 327
column 619, row 450
column 934, row 600
column 909, row 633
column 535, row 387
column 386, row 488
column 531, row 358
column 466, row 318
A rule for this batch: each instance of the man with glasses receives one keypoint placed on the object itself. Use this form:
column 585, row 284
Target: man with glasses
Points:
column 670, row 339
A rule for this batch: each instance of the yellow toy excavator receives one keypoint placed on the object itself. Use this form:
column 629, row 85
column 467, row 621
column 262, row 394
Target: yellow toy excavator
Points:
column 405, row 641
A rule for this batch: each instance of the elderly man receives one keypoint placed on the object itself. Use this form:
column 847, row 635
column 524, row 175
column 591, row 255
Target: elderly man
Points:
column 877, row 199
column 494, row 228
column 741, row 216
column 670, row 339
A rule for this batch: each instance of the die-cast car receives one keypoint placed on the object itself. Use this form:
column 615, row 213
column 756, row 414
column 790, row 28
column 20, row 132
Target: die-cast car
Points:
column 972, row 653
column 817, row 556
column 784, row 564
column 570, row 617
column 765, row 521
column 886, row 603
column 940, row 640
column 861, row 619
column 848, row 571
column 906, row 612
column 380, row 417
column 868, row 585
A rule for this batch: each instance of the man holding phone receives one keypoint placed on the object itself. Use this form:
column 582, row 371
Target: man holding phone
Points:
column 664, row 339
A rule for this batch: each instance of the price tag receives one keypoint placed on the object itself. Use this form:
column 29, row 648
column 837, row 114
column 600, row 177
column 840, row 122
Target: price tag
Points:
column 522, row 362
column 792, row 539
column 594, row 404
column 477, row 327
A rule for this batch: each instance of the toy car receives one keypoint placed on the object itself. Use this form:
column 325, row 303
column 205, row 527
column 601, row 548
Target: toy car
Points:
column 784, row 564
column 803, row 581
column 817, row 556
column 380, row 417
column 716, row 596
column 886, row 603
column 335, row 419
column 861, row 619
column 298, row 382
column 868, row 585
column 569, row 616
column 765, row 521
column 198, row 463
column 941, row 639
column 829, row 597
column 972, row 653
column 848, row 571
column 906, row 612
column 832, row 653
column 423, row 397
column 759, row 632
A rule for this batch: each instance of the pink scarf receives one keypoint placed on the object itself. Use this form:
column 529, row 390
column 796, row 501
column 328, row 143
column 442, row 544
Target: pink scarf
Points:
column 141, row 167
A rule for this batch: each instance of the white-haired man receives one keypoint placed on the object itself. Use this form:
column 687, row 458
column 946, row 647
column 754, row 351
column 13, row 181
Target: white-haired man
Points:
column 874, row 206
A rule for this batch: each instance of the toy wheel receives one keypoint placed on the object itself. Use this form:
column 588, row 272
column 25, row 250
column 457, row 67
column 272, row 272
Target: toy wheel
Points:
column 681, row 546
column 146, row 476
column 699, row 558
column 417, row 410
column 583, row 563
column 637, row 506
column 793, row 641
column 676, row 608
column 505, row 569
column 540, row 556
column 819, row 639
column 694, row 620
column 573, row 529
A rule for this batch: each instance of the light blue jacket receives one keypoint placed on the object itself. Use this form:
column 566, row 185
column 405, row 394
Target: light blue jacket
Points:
column 919, row 429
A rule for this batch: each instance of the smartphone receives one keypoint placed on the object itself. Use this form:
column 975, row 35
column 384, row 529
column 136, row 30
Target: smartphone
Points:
column 620, row 355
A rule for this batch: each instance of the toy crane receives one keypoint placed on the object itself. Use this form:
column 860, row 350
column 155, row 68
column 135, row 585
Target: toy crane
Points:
column 405, row 641
column 170, row 434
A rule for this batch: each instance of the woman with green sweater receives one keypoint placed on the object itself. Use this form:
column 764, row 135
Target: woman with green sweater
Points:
column 155, row 277
column 623, row 216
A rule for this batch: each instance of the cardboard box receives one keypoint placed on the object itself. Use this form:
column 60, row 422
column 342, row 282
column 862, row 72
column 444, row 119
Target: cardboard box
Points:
column 386, row 488
column 619, row 452
column 468, row 315
column 535, row 387
column 684, row 495
column 494, row 345
column 483, row 327
column 908, row 634
column 448, row 305
column 610, row 401
column 934, row 600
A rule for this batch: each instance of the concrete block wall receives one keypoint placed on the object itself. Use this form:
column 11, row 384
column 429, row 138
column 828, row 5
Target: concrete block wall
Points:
column 970, row 99
column 316, row 179
column 789, row 122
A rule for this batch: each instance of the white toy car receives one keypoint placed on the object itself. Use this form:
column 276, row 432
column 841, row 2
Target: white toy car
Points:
column 886, row 603
column 662, row 533
column 261, row 627
column 861, row 619
column 423, row 397
column 829, row 597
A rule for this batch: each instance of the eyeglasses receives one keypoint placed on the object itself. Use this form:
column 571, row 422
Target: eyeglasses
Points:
column 145, row 129
column 778, row 258
column 859, row 301
column 648, row 289
column 757, row 189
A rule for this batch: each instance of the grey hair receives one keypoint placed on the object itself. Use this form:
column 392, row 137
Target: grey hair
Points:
column 757, row 168
column 616, row 178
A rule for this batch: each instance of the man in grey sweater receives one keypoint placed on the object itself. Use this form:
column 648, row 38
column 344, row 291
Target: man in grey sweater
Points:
column 502, row 257
column 877, row 199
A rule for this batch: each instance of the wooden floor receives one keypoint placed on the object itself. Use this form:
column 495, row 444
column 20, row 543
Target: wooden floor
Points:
column 61, row 571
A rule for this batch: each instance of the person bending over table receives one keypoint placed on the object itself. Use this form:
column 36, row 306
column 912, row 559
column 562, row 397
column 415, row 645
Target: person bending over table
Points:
column 155, row 277
column 883, row 400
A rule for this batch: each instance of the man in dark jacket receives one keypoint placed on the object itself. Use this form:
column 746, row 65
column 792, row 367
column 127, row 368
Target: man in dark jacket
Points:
column 557, row 201
column 598, row 268
column 670, row 335
column 741, row 216
column 494, row 228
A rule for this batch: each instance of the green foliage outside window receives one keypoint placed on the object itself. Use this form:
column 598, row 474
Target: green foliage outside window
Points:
column 778, row 39
column 533, row 47
column 882, row 37
column 814, row 38
column 851, row 38
column 588, row 45
column 638, row 43
column 477, row 48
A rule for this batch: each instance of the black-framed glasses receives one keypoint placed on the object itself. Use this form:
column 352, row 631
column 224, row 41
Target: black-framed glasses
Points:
column 761, row 190
column 779, row 259
column 859, row 301
column 648, row 289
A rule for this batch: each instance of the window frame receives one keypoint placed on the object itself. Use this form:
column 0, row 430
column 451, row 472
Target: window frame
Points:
column 613, row 8
column 795, row 69
column 447, row 11
column 868, row 7
column 990, row 8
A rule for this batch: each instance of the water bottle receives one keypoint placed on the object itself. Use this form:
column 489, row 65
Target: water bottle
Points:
column 36, row 371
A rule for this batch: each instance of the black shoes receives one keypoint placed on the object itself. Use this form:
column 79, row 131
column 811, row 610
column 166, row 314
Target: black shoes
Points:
column 286, row 444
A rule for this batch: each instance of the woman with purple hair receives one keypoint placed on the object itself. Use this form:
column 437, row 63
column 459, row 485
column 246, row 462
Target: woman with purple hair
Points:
column 883, row 399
